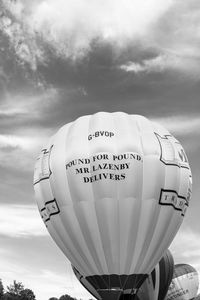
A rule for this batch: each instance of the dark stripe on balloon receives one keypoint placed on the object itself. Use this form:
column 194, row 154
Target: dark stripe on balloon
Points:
column 132, row 281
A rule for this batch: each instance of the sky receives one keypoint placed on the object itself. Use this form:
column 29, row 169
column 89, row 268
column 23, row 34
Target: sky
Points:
column 66, row 58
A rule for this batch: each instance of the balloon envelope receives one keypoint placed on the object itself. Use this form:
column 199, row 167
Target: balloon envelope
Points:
column 185, row 283
column 155, row 287
column 113, row 189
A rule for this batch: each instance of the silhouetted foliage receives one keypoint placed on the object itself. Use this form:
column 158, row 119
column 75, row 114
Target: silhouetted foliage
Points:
column 7, row 296
column 1, row 289
column 66, row 297
column 15, row 289
column 27, row 294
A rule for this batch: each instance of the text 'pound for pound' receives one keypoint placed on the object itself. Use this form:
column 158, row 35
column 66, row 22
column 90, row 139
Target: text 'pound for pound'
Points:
column 103, row 166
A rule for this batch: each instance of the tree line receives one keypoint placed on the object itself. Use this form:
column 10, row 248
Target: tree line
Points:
column 17, row 291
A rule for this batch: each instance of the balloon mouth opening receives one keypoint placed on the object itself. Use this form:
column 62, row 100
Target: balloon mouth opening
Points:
column 117, row 283
column 117, row 290
column 117, row 294
column 117, row 287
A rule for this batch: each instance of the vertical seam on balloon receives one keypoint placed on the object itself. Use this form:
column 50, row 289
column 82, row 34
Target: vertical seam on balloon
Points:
column 82, row 256
column 155, row 217
column 99, row 265
column 135, row 278
column 142, row 181
column 125, row 281
column 165, row 170
column 85, row 255
column 136, row 120
column 52, row 192
column 143, row 254
column 92, row 247
column 89, row 148
column 95, row 209
column 117, row 196
column 60, row 218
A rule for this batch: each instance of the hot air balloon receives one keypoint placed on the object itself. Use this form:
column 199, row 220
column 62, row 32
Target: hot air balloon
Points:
column 113, row 189
column 155, row 287
column 185, row 283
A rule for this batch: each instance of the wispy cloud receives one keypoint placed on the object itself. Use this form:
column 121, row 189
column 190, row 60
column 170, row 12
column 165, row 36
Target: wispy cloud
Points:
column 22, row 104
column 18, row 153
column 71, row 29
column 19, row 35
column 181, row 124
column 12, row 141
column 164, row 62
column 21, row 221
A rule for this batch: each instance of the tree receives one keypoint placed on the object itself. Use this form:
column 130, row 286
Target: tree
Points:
column 1, row 289
column 66, row 297
column 7, row 296
column 27, row 294
column 15, row 289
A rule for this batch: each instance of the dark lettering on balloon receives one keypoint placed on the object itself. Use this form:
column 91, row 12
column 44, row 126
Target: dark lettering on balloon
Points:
column 101, row 176
column 76, row 162
column 82, row 170
column 100, row 133
column 174, row 293
column 103, row 166
column 182, row 155
column 51, row 208
column 171, row 198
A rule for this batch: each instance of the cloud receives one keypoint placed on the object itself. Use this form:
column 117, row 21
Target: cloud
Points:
column 18, row 153
column 72, row 28
column 164, row 62
column 20, row 221
column 12, row 112
column 26, row 109
column 157, row 64
column 187, row 237
column 181, row 124
column 22, row 40
column 180, row 24
column 78, row 23
column 45, row 283
column 12, row 141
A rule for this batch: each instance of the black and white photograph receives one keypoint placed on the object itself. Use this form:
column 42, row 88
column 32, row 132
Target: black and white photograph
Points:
column 99, row 149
